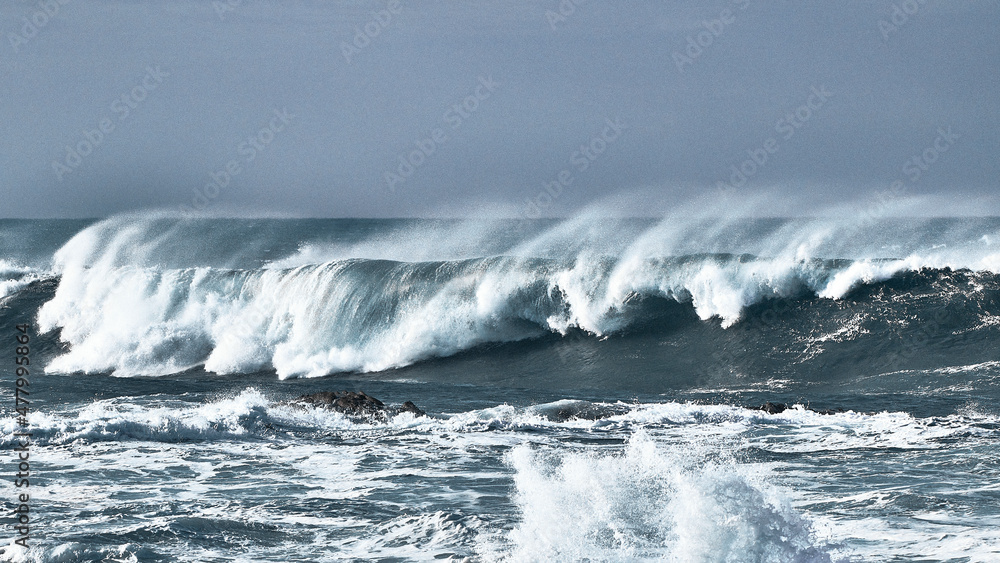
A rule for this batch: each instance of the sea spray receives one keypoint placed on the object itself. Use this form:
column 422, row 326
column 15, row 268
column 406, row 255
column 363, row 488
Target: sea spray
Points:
column 146, row 296
column 651, row 503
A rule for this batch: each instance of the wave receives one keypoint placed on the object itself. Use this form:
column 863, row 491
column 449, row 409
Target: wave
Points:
column 620, row 482
column 652, row 503
column 67, row 552
column 638, row 481
column 122, row 306
column 15, row 277
column 252, row 415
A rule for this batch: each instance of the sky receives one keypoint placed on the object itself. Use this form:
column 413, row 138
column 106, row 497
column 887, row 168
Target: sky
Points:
column 532, row 109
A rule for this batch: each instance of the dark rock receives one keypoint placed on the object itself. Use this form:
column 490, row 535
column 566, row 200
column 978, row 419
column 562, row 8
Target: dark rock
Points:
column 411, row 408
column 571, row 413
column 356, row 404
column 776, row 408
column 563, row 411
column 773, row 408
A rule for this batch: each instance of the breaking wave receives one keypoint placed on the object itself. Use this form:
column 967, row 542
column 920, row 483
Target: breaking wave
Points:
column 129, row 300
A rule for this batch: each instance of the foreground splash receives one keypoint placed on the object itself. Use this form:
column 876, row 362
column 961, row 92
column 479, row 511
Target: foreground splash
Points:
column 621, row 482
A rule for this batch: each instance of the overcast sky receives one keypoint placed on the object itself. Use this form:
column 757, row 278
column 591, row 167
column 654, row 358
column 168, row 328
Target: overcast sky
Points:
column 385, row 109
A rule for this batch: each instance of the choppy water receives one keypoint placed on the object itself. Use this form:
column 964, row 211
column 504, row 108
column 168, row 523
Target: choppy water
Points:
column 586, row 383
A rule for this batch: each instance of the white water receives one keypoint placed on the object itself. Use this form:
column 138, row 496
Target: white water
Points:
column 14, row 277
column 679, row 489
column 653, row 503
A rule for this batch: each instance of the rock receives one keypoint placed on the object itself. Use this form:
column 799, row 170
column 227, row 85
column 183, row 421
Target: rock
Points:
column 828, row 411
column 356, row 404
column 773, row 408
column 776, row 408
column 347, row 402
column 411, row 408
column 573, row 413
column 568, row 409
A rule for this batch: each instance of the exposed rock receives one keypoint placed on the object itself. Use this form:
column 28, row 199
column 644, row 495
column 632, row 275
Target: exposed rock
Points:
column 356, row 404
column 411, row 408
column 776, row 408
column 773, row 408
column 565, row 410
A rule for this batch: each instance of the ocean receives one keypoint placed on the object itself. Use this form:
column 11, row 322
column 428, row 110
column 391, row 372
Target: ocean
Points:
column 593, row 389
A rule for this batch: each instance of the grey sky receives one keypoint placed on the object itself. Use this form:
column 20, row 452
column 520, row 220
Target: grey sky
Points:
column 202, row 78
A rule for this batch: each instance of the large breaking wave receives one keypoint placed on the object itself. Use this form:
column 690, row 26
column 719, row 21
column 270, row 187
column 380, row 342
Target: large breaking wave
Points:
column 154, row 295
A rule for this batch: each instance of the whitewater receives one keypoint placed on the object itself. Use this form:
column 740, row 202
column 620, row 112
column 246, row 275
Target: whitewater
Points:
column 592, row 388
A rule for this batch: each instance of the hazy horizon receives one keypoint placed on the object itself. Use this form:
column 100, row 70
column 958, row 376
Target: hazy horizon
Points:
column 384, row 109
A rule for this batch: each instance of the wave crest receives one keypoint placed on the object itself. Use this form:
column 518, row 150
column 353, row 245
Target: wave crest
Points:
column 122, row 308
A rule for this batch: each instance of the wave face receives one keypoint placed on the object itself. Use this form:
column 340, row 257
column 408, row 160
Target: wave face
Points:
column 155, row 295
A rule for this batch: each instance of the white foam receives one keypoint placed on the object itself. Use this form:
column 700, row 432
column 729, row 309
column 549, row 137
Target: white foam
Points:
column 679, row 489
column 650, row 503
column 14, row 277
column 115, row 419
